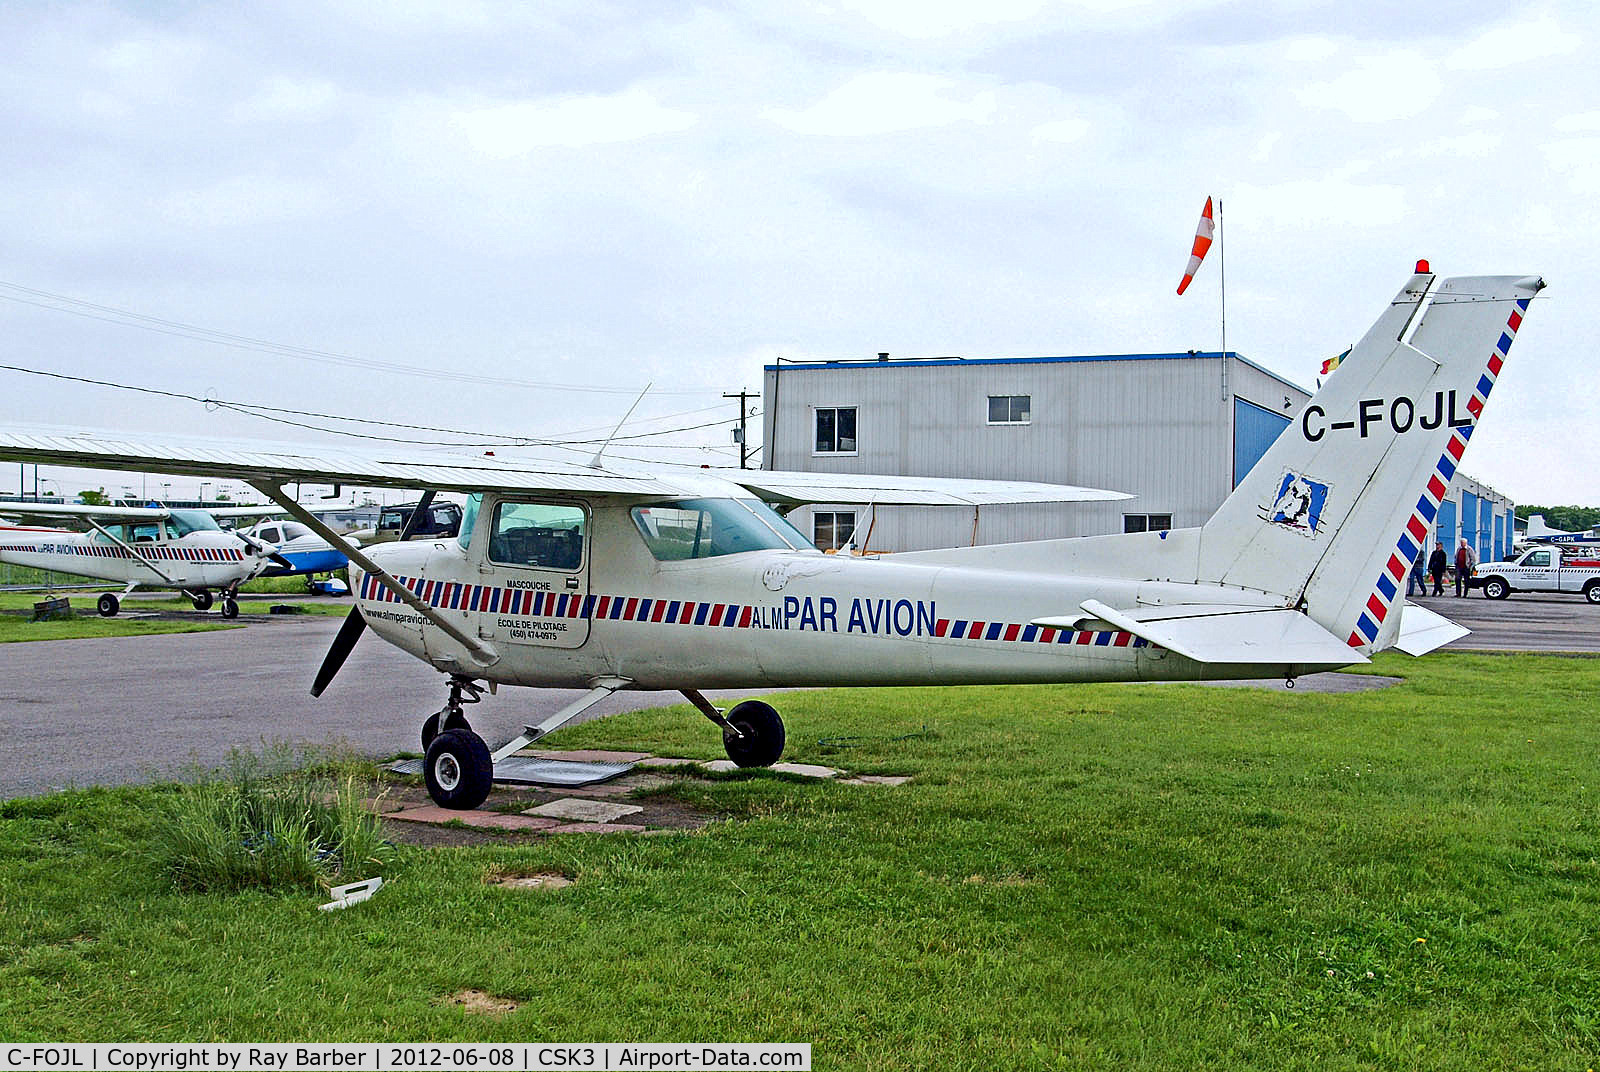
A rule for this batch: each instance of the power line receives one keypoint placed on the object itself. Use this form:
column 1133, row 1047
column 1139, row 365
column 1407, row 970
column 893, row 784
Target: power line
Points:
column 62, row 303
column 280, row 415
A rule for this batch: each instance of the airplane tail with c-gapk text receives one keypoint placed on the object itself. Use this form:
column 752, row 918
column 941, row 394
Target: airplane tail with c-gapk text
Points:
column 1335, row 511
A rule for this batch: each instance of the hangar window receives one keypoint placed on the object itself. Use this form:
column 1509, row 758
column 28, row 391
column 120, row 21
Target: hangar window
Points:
column 1010, row 409
column 832, row 529
column 836, row 430
column 1146, row 522
column 544, row 535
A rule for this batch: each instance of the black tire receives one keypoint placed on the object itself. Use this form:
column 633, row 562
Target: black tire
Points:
column 230, row 608
column 108, row 605
column 458, row 770
column 430, row 726
column 763, row 737
column 1496, row 588
column 1591, row 592
column 202, row 600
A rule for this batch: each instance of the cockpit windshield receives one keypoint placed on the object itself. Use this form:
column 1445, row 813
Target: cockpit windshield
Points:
column 707, row 528
column 184, row 522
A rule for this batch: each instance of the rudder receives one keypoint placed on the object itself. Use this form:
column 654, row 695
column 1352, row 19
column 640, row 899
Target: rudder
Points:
column 1333, row 513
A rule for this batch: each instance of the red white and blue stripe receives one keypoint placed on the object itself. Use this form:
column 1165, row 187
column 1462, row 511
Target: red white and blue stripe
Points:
column 1415, row 535
column 453, row 595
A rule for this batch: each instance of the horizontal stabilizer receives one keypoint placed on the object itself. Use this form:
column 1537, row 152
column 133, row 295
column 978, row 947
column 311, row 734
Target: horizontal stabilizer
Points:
column 1421, row 630
column 1220, row 633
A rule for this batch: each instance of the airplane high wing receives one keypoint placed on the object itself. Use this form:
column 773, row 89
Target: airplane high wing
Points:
column 618, row 577
column 53, row 511
column 470, row 474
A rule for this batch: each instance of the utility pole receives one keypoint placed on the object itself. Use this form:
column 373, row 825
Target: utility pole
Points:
column 744, row 430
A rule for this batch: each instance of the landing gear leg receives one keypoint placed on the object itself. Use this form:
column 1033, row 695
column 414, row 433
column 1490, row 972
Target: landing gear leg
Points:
column 457, row 768
column 752, row 733
column 450, row 717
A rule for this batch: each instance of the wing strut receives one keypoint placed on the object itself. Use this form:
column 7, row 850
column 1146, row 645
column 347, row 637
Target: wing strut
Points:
column 480, row 653
column 603, row 687
column 114, row 539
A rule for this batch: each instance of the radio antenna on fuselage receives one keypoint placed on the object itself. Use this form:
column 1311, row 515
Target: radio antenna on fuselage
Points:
column 594, row 463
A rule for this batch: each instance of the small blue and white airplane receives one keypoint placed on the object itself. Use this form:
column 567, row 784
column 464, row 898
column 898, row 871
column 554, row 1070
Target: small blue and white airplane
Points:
column 610, row 577
column 302, row 552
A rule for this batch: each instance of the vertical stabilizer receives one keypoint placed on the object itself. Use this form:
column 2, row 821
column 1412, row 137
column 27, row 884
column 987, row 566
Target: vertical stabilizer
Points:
column 1333, row 513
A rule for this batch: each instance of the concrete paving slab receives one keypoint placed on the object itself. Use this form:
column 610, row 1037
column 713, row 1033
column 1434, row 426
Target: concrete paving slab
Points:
column 805, row 770
column 586, row 811
column 875, row 779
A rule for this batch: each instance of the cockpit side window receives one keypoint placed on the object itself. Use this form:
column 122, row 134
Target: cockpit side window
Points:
column 708, row 528
column 538, row 534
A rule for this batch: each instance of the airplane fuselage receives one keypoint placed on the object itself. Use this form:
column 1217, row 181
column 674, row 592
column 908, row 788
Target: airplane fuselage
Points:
column 197, row 560
column 770, row 618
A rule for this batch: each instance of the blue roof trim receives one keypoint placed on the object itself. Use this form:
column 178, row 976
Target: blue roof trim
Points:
column 960, row 362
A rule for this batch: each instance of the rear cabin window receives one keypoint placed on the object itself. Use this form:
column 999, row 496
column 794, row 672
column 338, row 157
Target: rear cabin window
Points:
column 708, row 528
column 541, row 535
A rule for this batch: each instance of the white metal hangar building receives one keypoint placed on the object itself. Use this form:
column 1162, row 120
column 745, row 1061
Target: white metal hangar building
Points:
column 1178, row 431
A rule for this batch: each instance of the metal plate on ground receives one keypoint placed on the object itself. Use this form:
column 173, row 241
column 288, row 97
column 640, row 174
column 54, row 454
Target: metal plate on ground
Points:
column 527, row 770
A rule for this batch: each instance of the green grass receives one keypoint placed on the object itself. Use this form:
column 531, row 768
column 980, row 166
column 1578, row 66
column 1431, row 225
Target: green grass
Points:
column 1077, row 877
column 279, row 819
column 15, row 628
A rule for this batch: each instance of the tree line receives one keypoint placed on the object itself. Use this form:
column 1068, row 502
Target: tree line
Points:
column 1572, row 518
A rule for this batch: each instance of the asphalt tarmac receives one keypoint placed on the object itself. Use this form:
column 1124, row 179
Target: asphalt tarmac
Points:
column 111, row 711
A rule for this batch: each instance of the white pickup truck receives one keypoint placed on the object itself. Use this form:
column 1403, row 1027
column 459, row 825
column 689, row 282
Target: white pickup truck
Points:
column 1544, row 569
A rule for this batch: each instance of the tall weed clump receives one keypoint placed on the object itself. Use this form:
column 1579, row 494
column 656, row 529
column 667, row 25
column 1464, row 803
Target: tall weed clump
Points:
column 273, row 820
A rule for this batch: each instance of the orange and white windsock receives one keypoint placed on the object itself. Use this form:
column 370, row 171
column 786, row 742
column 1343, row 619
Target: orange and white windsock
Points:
column 1202, row 243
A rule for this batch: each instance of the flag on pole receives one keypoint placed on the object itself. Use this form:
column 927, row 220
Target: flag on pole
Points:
column 1333, row 362
column 1202, row 244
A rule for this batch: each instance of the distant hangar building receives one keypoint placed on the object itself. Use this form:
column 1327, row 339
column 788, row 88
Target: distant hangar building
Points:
column 1178, row 431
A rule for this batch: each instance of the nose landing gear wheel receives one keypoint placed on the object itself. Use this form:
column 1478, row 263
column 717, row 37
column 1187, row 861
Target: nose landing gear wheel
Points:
column 108, row 605
column 762, row 737
column 459, row 770
column 230, row 608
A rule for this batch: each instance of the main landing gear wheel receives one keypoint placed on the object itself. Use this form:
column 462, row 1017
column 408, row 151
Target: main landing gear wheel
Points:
column 1495, row 588
column 761, row 738
column 454, row 720
column 230, row 607
column 108, row 605
column 459, row 770
column 201, row 600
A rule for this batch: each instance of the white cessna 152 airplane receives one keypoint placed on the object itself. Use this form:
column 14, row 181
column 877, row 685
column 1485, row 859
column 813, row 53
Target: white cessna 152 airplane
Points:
column 609, row 579
column 146, row 546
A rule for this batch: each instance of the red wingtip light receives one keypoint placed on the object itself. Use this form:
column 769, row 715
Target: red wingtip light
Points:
column 1422, row 268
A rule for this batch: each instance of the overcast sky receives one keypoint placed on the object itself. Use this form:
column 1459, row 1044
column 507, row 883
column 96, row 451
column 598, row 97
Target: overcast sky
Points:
column 571, row 200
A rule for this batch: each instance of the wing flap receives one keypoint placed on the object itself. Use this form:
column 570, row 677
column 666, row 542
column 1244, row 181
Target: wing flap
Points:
column 865, row 489
column 1225, row 634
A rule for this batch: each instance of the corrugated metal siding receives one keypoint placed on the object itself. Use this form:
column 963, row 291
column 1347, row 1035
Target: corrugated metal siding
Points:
column 1157, row 427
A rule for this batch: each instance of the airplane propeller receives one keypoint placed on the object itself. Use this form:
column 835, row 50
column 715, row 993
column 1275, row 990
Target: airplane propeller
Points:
column 350, row 632
column 354, row 624
column 261, row 550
